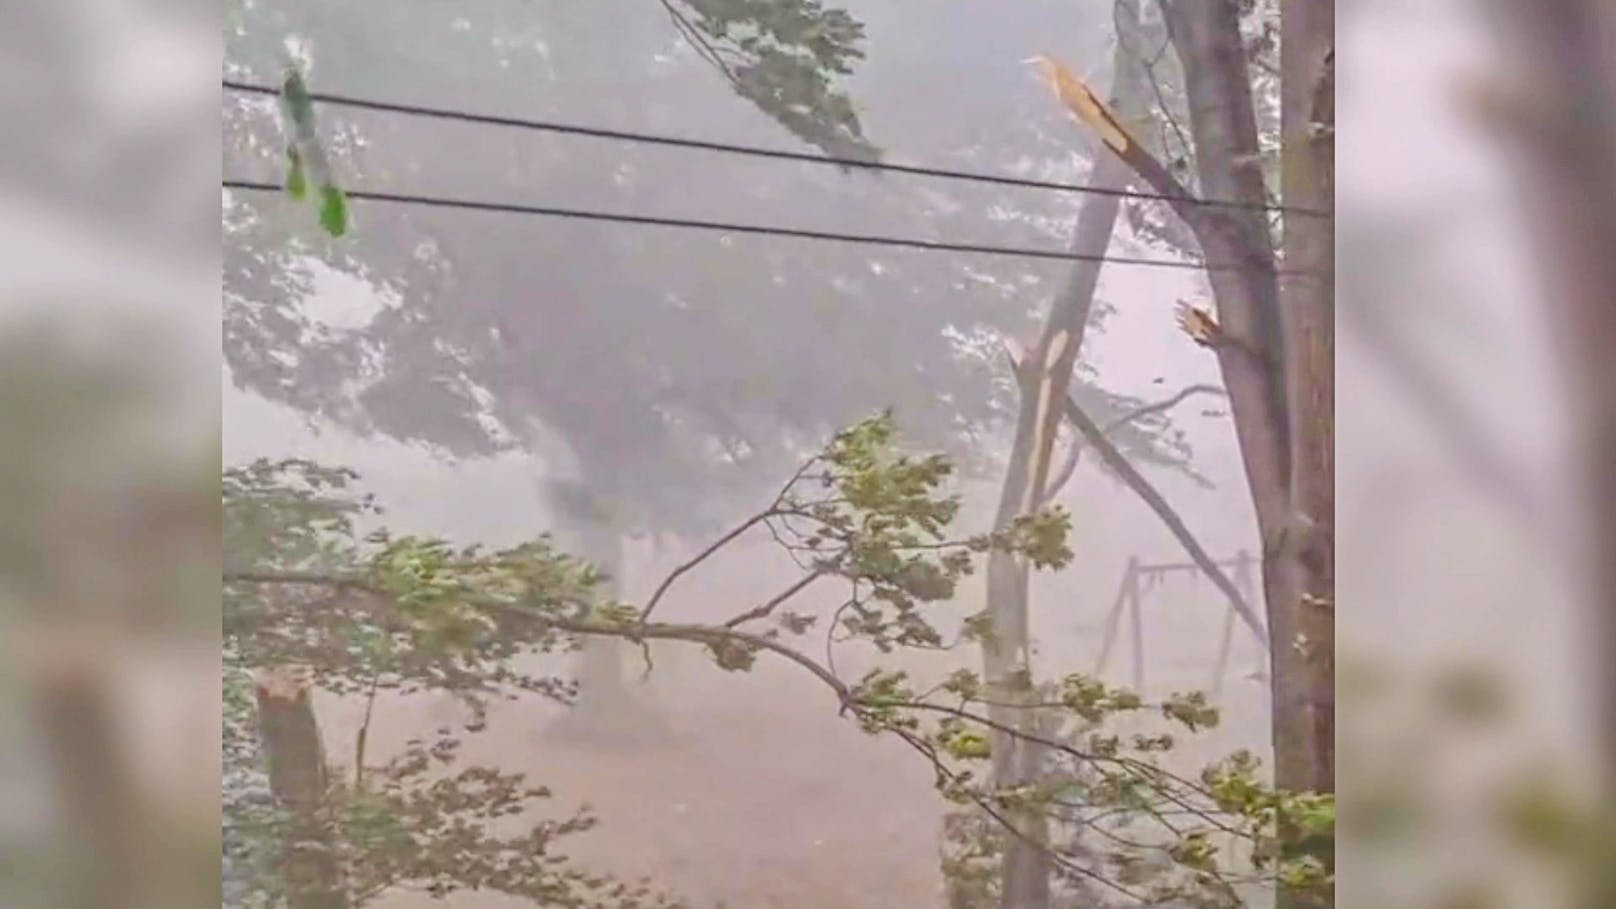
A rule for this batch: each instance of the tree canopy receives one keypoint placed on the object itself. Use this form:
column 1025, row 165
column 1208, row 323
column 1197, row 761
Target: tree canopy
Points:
column 678, row 371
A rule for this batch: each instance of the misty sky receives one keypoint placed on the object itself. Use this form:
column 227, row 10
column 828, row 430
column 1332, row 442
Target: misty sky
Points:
column 914, row 74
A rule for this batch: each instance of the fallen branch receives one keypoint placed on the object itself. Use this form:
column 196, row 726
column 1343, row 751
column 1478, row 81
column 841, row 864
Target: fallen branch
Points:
column 1141, row 487
column 1074, row 454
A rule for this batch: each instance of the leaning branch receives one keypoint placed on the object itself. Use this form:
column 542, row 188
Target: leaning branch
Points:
column 698, row 43
column 1142, row 487
column 1074, row 454
column 703, row 634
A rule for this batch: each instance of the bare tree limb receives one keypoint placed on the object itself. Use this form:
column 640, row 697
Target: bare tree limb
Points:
column 698, row 43
column 703, row 556
column 1149, row 65
column 1142, row 487
column 1074, row 454
column 768, row 607
column 761, row 517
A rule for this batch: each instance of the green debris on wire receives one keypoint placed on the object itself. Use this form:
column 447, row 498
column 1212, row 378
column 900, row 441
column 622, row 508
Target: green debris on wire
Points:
column 306, row 162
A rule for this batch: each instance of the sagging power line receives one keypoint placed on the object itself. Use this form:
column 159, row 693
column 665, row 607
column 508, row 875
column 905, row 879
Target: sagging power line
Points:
column 752, row 229
column 759, row 152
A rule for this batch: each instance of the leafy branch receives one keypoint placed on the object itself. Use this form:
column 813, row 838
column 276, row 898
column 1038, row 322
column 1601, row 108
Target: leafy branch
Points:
column 386, row 613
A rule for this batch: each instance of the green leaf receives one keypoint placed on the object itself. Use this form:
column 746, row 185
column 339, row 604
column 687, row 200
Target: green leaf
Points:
column 333, row 210
column 1192, row 710
column 967, row 745
column 618, row 614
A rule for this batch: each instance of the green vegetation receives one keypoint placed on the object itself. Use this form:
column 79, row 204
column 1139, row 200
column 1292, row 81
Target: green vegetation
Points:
column 372, row 615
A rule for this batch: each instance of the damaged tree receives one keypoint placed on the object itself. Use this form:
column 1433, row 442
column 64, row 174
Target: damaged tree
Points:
column 1043, row 376
column 1273, row 328
column 309, row 866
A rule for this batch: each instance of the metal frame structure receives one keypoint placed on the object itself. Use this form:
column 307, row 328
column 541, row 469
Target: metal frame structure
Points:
column 1138, row 578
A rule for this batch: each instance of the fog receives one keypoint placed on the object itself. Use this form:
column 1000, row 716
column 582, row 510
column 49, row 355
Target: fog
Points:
column 756, row 793
column 481, row 369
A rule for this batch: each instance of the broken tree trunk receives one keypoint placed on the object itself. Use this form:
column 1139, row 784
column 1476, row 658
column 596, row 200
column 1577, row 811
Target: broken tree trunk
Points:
column 311, row 869
column 1043, row 376
column 73, row 698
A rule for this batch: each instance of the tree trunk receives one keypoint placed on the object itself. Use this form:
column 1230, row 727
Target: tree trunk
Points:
column 1206, row 34
column 1223, row 123
column 311, row 867
column 607, row 711
column 1277, row 369
column 1307, row 296
column 1044, row 376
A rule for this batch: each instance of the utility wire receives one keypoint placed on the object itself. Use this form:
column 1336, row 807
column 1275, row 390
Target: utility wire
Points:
column 758, row 152
column 758, row 229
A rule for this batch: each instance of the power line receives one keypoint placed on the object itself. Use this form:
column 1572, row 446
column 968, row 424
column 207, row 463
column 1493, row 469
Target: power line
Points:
column 756, row 229
column 759, row 152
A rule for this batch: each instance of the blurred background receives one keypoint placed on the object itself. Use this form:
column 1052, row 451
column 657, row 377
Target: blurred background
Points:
column 1476, row 225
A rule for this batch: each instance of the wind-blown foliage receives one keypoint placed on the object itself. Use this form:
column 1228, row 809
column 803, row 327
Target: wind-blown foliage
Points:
column 421, row 818
column 375, row 615
column 786, row 57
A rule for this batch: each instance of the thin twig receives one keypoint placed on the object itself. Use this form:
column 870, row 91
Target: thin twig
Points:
column 645, row 654
column 1149, row 66
column 835, row 619
column 703, row 556
column 364, row 732
column 698, row 43
column 763, row 610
